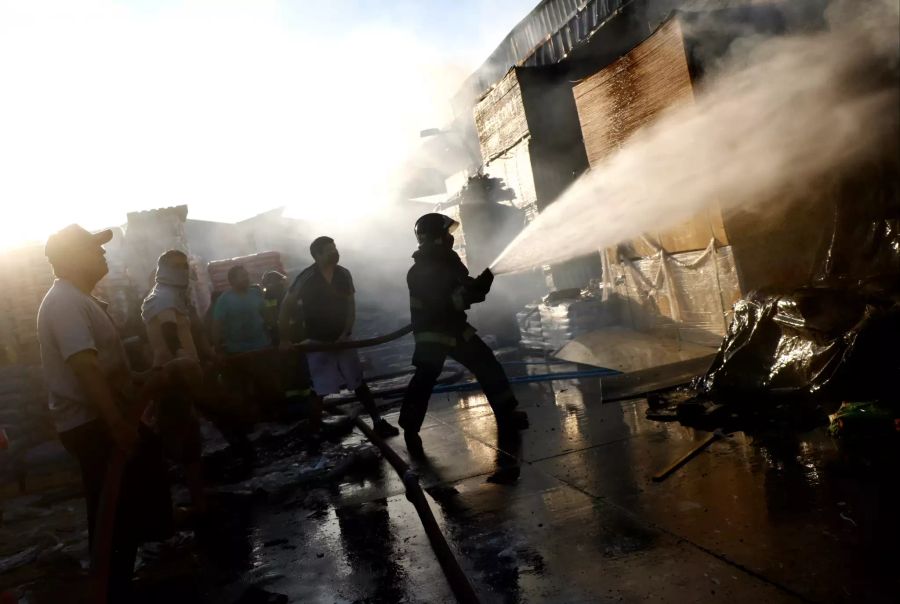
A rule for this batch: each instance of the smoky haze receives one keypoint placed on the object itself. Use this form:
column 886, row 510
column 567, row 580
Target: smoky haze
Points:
column 781, row 117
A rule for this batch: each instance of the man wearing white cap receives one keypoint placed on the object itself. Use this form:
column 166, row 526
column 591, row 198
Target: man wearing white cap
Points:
column 90, row 387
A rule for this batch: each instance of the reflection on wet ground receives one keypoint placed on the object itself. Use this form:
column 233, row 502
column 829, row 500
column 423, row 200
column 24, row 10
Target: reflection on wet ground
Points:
column 564, row 512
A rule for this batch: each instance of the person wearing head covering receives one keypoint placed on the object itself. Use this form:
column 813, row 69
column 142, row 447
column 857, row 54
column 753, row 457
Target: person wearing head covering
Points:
column 91, row 390
column 171, row 321
column 440, row 293
column 274, row 284
column 167, row 311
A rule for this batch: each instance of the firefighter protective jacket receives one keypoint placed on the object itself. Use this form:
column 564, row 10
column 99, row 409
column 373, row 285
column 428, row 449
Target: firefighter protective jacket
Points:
column 440, row 292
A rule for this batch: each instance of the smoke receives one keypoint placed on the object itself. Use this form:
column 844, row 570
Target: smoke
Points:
column 778, row 121
column 230, row 107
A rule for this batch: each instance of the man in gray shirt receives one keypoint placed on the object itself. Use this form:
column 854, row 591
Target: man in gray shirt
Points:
column 90, row 384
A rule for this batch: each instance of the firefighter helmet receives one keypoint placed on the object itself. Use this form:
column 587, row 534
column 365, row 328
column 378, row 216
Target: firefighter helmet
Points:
column 431, row 227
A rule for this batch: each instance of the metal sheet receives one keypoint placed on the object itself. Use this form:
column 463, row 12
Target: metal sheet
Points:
column 627, row 350
column 544, row 37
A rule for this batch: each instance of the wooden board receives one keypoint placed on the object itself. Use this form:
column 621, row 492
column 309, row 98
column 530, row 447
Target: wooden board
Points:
column 627, row 350
column 633, row 91
column 500, row 117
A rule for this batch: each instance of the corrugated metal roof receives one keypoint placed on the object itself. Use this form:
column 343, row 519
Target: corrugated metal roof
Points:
column 544, row 37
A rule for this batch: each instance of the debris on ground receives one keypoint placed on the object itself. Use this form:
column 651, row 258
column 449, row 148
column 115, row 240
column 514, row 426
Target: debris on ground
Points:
column 864, row 419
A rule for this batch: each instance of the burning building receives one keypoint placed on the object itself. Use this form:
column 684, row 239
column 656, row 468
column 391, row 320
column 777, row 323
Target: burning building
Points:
column 562, row 93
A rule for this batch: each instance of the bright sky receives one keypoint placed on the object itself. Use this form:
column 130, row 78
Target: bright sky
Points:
column 230, row 107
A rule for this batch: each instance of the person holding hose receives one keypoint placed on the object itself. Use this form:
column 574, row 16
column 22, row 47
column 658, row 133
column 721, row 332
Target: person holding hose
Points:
column 325, row 295
column 440, row 292
column 93, row 398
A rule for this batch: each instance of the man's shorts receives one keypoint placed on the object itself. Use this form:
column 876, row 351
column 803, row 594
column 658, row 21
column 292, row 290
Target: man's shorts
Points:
column 332, row 370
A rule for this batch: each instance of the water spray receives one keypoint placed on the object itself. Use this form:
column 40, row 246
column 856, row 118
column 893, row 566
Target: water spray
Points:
column 772, row 126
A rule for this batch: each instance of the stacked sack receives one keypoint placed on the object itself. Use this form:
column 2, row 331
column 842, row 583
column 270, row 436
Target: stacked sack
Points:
column 565, row 320
column 530, row 328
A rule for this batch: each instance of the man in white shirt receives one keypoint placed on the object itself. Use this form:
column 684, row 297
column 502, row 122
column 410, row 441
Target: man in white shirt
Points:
column 90, row 385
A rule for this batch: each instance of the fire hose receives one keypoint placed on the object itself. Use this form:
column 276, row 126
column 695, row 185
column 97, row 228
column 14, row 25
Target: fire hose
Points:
column 456, row 577
column 101, row 554
column 101, row 550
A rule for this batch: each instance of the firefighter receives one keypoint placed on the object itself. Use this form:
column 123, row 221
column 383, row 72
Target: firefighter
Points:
column 440, row 292
column 274, row 287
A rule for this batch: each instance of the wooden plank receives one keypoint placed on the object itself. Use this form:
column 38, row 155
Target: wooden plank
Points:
column 500, row 117
column 620, row 99
column 672, row 467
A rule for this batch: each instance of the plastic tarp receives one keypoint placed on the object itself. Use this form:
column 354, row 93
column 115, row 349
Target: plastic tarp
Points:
column 686, row 296
column 839, row 339
column 830, row 342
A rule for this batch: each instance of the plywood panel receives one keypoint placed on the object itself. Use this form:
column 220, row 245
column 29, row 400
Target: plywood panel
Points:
column 500, row 117
column 621, row 98
column 514, row 167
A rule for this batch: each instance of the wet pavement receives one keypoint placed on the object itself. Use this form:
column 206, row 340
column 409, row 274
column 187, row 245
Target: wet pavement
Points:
column 754, row 518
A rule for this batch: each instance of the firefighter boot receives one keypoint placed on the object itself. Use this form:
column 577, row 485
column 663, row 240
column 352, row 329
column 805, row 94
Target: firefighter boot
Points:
column 512, row 420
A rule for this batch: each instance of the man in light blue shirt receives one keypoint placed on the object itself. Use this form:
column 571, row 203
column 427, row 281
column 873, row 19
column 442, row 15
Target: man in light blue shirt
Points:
column 239, row 327
column 239, row 316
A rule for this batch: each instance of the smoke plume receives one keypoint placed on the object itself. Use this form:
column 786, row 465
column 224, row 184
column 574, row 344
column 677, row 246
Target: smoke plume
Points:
column 776, row 122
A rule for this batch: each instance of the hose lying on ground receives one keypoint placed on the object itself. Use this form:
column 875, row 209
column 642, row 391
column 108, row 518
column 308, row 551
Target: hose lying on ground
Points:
column 110, row 495
column 459, row 583
column 524, row 379
column 456, row 577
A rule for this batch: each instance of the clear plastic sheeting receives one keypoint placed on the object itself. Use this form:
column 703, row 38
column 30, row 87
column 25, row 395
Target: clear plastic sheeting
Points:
column 834, row 343
column 532, row 335
column 686, row 296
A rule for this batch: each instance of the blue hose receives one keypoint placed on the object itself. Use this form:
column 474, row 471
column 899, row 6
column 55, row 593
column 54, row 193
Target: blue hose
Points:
column 528, row 379
column 513, row 363
column 395, row 393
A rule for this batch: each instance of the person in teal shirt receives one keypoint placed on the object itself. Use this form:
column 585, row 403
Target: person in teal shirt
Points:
column 239, row 327
column 239, row 316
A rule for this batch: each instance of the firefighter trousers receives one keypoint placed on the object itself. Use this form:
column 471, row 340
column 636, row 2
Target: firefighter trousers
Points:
column 474, row 355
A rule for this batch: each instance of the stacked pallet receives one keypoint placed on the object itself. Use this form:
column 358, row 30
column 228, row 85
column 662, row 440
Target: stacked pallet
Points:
column 629, row 94
column 25, row 277
column 149, row 234
column 530, row 138
column 681, row 282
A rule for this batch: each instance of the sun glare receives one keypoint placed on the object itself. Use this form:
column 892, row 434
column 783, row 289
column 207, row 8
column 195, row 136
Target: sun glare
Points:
column 224, row 108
